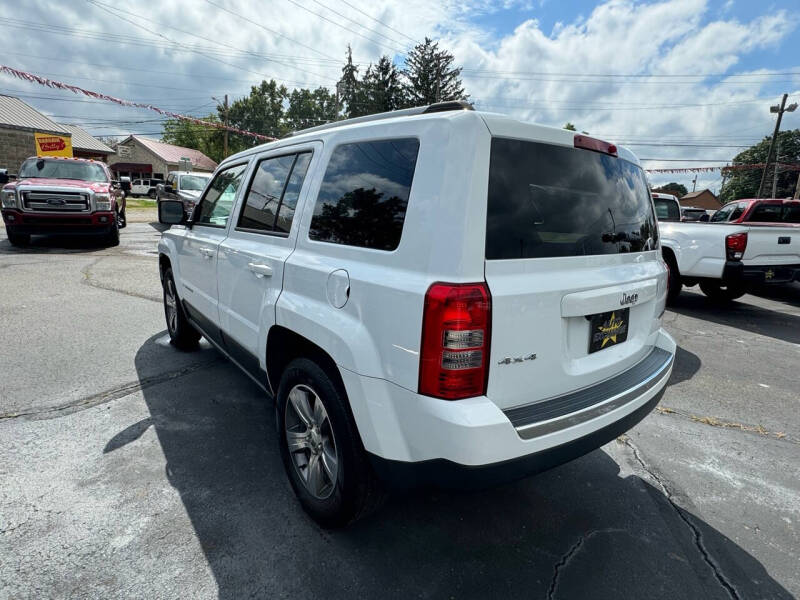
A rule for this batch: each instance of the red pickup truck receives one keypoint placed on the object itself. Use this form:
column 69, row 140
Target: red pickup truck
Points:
column 63, row 196
column 759, row 211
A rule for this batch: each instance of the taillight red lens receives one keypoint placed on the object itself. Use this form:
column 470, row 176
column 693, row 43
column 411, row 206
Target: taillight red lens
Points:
column 590, row 143
column 454, row 356
column 735, row 245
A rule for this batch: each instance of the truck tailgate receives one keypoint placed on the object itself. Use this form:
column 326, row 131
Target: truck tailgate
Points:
column 770, row 245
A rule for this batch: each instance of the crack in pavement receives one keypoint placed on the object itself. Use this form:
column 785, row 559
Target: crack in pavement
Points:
column 120, row 391
column 697, row 535
column 569, row 555
column 87, row 280
column 730, row 425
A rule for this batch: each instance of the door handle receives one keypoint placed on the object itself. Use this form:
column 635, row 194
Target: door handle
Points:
column 260, row 270
column 206, row 252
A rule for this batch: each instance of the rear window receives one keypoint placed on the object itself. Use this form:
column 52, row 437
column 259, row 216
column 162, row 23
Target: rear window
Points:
column 667, row 210
column 552, row 201
column 776, row 213
column 364, row 193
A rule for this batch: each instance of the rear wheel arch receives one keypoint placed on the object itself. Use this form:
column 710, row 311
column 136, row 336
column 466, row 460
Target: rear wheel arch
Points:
column 284, row 345
column 669, row 257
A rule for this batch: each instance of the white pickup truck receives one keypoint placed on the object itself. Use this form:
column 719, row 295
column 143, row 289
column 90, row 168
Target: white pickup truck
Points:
column 725, row 259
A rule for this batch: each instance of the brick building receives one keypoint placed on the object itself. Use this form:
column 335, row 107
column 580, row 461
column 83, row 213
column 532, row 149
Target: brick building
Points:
column 19, row 121
column 702, row 199
column 141, row 157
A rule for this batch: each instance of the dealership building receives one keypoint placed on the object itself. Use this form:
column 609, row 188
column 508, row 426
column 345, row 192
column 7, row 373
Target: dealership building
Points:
column 21, row 126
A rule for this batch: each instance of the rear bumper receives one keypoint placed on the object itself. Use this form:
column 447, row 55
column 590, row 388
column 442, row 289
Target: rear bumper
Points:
column 419, row 440
column 96, row 223
column 736, row 272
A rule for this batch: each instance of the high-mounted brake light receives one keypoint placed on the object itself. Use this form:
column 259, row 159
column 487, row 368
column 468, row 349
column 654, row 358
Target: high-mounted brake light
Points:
column 735, row 245
column 590, row 143
column 454, row 354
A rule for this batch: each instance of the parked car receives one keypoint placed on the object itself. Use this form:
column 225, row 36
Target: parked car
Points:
column 431, row 296
column 779, row 211
column 64, row 196
column 145, row 187
column 184, row 186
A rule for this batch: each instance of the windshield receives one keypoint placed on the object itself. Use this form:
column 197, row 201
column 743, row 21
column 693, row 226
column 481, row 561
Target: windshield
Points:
column 62, row 169
column 194, row 183
column 667, row 210
column 547, row 201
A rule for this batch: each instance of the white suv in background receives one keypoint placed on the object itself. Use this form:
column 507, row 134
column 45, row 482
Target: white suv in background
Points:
column 433, row 296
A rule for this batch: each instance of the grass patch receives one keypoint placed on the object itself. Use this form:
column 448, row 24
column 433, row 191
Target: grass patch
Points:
column 140, row 203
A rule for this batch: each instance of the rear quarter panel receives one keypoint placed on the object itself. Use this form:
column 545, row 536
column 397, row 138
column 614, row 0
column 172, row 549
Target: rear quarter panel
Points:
column 699, row 248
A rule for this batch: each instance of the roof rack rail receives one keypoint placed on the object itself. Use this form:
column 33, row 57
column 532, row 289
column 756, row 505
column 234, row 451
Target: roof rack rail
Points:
column 405, row 112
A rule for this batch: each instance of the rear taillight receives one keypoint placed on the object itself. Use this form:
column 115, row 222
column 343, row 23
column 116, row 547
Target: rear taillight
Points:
column 590, row 143
column 455, row 341
column 735, row 245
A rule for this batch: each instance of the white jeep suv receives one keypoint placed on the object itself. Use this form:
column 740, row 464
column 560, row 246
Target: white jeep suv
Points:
column 433, row 296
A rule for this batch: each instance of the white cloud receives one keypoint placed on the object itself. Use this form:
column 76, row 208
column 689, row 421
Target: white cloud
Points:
column 678, row 37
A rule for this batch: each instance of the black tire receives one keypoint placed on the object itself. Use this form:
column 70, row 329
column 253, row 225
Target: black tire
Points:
column 122, row 219
column 112, row 237
column 354, row 491
column 151, row 194
column 181, row 333
column 18, row 239
column 722, row 293
column 674, row 283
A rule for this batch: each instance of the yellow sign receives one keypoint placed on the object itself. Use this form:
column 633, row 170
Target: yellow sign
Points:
column 48, row 144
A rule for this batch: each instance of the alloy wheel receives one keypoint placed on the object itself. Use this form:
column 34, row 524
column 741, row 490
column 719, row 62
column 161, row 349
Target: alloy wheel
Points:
column 171, row 306
column 310, row 441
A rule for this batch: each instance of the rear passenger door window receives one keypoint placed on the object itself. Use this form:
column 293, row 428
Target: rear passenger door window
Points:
column 272, row 197
column 364, row 194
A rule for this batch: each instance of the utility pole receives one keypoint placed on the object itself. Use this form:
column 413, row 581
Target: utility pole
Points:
column 797, row 188
column 225, row 142
column 694, row 183
column 775, row 173
column 780, row 110
column 438, row 81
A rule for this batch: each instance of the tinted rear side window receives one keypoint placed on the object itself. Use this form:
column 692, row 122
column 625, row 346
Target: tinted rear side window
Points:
column 550, row 201
column 364, row 193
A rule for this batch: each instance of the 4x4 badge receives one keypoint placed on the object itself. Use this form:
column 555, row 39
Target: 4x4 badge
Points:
column 517, row 359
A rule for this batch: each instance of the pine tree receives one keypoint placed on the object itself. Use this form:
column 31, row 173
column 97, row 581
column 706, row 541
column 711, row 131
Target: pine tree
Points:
column 382, row 87
column 431, row 76
column 349, row 87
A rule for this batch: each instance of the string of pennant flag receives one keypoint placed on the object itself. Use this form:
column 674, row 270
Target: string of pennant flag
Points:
column 725, row 169
column 51, row 83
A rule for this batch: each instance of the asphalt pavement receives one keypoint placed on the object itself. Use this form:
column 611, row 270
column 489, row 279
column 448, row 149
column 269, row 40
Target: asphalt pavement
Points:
column 131, row 469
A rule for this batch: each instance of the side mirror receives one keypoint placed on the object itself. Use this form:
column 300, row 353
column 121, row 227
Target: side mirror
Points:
column 705, row 218
column 170, row 212
column 5, row 177
column 125, row 184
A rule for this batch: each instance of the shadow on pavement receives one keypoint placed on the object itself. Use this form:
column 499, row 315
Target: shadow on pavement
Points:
column 41, row 244
column 787, row 294
column 686, row 365
column 748, row 317
column 581, row 530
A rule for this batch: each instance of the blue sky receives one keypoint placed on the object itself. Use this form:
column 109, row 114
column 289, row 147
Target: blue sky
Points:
column 644, row 74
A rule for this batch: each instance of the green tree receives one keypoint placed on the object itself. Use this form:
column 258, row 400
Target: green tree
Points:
column 260, row 112
column 383, row 89
column 350, row 89
column 676, row 189
column 569, row 127
column 308, row 108
column 431, row 76
column 207, row 140
column 744, row 183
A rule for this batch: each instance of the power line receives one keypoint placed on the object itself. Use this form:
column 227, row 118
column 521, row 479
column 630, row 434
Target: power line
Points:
column 113, row 11
column 357, row 23
column 324, row 18
column 379, row 21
